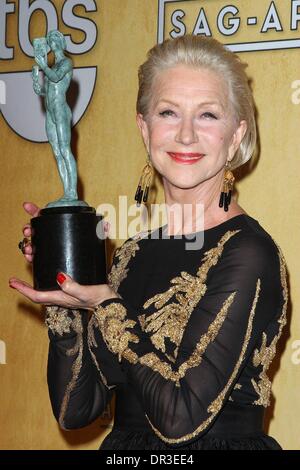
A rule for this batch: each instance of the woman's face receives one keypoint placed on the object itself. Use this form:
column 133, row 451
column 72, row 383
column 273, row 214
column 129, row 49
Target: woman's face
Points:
column 190, row 131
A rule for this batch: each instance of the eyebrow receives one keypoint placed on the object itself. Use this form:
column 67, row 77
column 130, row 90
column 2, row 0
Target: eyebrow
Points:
column 199, row 105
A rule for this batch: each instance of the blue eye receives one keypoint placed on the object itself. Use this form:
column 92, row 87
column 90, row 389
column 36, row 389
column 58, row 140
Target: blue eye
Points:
column 209, row 115
column 167, row 112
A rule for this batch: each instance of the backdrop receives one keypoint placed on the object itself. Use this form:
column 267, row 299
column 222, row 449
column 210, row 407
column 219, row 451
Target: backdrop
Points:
column 108, row 39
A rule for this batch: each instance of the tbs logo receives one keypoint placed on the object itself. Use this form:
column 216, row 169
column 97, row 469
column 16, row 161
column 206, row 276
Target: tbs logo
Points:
column 21, row 108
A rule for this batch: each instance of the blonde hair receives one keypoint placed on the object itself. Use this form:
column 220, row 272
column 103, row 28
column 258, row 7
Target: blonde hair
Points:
column 204, row 52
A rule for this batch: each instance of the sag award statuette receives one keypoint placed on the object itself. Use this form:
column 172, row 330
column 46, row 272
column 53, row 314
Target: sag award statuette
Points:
column 64, row 235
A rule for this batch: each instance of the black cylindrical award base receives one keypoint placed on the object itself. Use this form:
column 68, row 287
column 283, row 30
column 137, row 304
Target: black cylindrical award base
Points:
column 68, row 239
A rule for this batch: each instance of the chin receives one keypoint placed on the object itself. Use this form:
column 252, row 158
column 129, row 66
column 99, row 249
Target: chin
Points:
column 190, row 184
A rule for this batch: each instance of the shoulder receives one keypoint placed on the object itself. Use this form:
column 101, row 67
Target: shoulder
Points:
column 252, row 239
column 249, row 254
column 254, row 249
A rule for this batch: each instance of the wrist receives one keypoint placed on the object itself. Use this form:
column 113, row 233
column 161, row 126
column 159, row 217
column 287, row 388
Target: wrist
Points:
column 108, row 294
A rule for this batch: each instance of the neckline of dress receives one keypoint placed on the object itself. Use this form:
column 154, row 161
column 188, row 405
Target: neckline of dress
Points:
column 210, row 229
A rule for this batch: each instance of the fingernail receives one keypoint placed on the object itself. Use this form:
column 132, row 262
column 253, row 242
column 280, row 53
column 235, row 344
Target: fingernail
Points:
column 60, row 278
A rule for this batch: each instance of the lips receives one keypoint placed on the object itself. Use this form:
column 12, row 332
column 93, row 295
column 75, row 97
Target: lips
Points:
column 185, row 158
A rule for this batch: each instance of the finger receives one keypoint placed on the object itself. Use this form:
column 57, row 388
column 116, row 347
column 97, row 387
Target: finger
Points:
column 44, row 297
column 14, row 280
column 31, row 208
column 29, row 258
column 58, row 297
column 68, row 285
column 24, row 288
column 28, row 249
column 27, row 232
column 82, row 293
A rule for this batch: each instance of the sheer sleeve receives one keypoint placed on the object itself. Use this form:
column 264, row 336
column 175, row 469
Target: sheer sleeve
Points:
column 77, row 392
column 82, row 373
column 238, row 297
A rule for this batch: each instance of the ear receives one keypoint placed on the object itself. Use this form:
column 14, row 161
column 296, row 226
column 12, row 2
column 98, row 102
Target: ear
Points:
column 143, row 126
column 237, row 139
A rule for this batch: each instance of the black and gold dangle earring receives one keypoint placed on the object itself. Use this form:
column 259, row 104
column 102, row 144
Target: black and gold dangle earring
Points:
column 225, row 197
column 142, row 191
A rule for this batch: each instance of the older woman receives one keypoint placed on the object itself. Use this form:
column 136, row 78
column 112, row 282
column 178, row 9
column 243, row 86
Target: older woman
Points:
column 183, row 337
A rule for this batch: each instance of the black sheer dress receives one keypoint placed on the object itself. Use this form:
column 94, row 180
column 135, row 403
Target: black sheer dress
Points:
column 185, row 347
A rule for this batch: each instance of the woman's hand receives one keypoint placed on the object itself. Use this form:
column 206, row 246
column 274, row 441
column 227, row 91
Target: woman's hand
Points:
column 33, row 211
column 71, row 294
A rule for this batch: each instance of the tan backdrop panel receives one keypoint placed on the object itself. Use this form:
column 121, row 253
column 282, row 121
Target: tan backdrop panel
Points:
column 110, row 156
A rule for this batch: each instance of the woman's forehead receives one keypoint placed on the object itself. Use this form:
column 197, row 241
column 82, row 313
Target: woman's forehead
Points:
column 185, row 81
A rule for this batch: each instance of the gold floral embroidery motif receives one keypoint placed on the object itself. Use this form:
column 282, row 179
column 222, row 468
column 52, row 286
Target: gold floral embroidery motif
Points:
column 113, row 325
column 124, row 254
column 216, row 405
column 114, row 331
column 57, row 319
column 265, row 355
column 164, row 369
column 170, row 320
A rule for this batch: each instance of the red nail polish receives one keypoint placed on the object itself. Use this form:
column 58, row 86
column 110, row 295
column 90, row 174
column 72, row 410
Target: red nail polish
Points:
column 60, row 278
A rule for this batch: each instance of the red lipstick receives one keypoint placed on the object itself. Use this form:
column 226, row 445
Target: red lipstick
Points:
column 186, row 158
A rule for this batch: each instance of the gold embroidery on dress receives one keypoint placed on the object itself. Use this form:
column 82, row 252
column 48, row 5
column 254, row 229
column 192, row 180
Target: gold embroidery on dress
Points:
column 164, row 369
column 124, row 254
column 194, row 288
column 142, row 321
column 265, row 355
column 76, row 325
column 113, row 325
column 236, row 387
column 92, row 343
column 57, row 319
column 217, row 403
column 170, row 320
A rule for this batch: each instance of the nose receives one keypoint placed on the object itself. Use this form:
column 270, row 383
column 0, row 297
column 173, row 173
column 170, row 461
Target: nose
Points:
column 186, row 132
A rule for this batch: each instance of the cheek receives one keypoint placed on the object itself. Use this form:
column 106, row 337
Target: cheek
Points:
column 222, row 141
column 213, row 134
column 160, row 134
column 219, row 137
